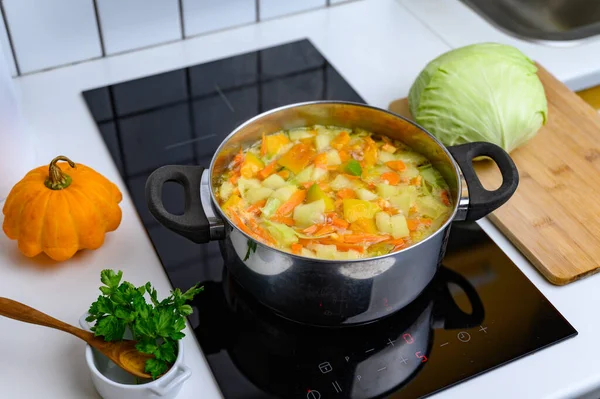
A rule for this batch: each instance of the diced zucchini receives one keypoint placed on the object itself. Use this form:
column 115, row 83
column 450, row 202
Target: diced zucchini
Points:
column 409, row 173
column 383, row 222
column 226, row 190
column 340, row 182
column 384, row 157
column 386, row 191
column 308, row 214
column 325, row 251
column 399, row 226
column 283, row 234
column 333, row 158
column 432, row 176
column 355, row 209
column 322, row 141
column 429, row 206
column 307, row 252
column 284, row 193
column 271, row 206
column 300, row 133
column 305, row 175
column 364, row 194
column 411, row 157
column 256, row 194
column 273, row 182
column 348, row 255
column 245, row 184
column 319, row 174
column 405, row 199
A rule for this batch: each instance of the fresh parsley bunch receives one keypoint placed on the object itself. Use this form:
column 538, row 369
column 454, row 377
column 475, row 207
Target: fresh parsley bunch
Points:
column 156, row 326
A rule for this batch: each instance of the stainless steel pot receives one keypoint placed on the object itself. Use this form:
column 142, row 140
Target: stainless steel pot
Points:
column 325, row 292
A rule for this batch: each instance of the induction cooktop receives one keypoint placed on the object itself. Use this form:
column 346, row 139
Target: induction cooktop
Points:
column 479, row 313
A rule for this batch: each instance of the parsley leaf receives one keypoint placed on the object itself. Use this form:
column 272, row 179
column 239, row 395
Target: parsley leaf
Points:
column 156, row 326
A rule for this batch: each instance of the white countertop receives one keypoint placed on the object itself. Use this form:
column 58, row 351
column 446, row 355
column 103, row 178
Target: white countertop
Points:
column 380, row 59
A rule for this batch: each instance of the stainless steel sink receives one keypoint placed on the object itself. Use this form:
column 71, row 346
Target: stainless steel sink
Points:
column 542, row 20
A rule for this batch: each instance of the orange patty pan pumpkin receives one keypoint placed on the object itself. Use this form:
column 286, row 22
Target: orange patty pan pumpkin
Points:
column 61, row 209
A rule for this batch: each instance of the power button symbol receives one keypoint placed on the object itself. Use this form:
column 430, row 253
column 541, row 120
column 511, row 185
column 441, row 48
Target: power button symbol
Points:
column 463, row 336
column 313, row 395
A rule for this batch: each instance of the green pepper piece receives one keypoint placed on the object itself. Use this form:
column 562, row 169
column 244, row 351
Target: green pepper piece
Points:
column 353, row 167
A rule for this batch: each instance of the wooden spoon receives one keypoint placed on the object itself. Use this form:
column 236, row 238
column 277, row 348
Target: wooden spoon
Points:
column 122, row 353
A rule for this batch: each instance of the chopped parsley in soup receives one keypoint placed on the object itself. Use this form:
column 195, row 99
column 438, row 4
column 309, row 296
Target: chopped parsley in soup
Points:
column 333, row 193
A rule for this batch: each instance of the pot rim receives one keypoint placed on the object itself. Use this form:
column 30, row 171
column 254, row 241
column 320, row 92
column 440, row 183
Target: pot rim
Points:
column 252, row 120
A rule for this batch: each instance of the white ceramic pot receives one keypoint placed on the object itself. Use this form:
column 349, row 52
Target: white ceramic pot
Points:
column 112, row 382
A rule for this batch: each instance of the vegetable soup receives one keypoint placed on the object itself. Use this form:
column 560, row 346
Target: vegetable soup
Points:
column 333, row 193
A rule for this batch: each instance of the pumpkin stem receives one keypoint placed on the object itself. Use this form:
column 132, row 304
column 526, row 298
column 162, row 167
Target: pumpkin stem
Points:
column 57, row 180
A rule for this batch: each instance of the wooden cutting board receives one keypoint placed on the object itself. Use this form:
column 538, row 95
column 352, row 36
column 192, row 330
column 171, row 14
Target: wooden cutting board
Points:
column 554, row 216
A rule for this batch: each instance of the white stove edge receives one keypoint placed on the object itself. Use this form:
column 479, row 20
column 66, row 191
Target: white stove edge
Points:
column 60, row 121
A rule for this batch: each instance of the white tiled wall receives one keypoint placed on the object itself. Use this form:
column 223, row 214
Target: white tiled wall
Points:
column 5, row 47
column 277, row 8
column 201, row 16
column 132, row 24
column 50, row 33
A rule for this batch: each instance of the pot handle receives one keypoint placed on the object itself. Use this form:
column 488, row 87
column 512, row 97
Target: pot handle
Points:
column 193, row 223
column 448, row 313
column 482, row 201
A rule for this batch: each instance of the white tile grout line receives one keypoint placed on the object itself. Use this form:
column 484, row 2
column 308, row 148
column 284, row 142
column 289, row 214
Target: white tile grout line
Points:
column 104, row 55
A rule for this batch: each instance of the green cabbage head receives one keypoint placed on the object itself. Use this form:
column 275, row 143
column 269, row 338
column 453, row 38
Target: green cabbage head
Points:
column 483, row 92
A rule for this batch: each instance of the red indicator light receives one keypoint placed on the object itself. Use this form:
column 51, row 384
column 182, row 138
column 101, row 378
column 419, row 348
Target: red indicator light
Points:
column 408, row 338
column 421, row 356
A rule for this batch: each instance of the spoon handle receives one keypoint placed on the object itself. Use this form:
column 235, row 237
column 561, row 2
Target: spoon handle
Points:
column 18, row 311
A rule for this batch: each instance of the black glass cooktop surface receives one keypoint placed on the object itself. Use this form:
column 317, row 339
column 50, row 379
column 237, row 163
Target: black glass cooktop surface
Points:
column 479, row 313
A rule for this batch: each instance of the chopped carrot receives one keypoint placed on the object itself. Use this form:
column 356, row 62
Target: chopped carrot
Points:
column 284, row 174
column 346, row 193
column 351, row 177
column 321, row 160
column 445, row 198
column 260, row 232
column 324, row 186
column 364, row 238
column 239, row 158
column 296, row 248
column 311, row 229
column 234, row 177
column 395, row 241
column 307, row 184
column 344, row 155
column 267, row 170
column 416, row 181
column 288, row 221
column 391, row 177
column 263, row 146
column 425, row 222
column 341, row 223
column 288, row 206
column 388, row 148
column 347, row 247
column 340, row 140
column 413, row 224
column 324, row 230
column 238, row 221
column 254, row 209
column 396, row 165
